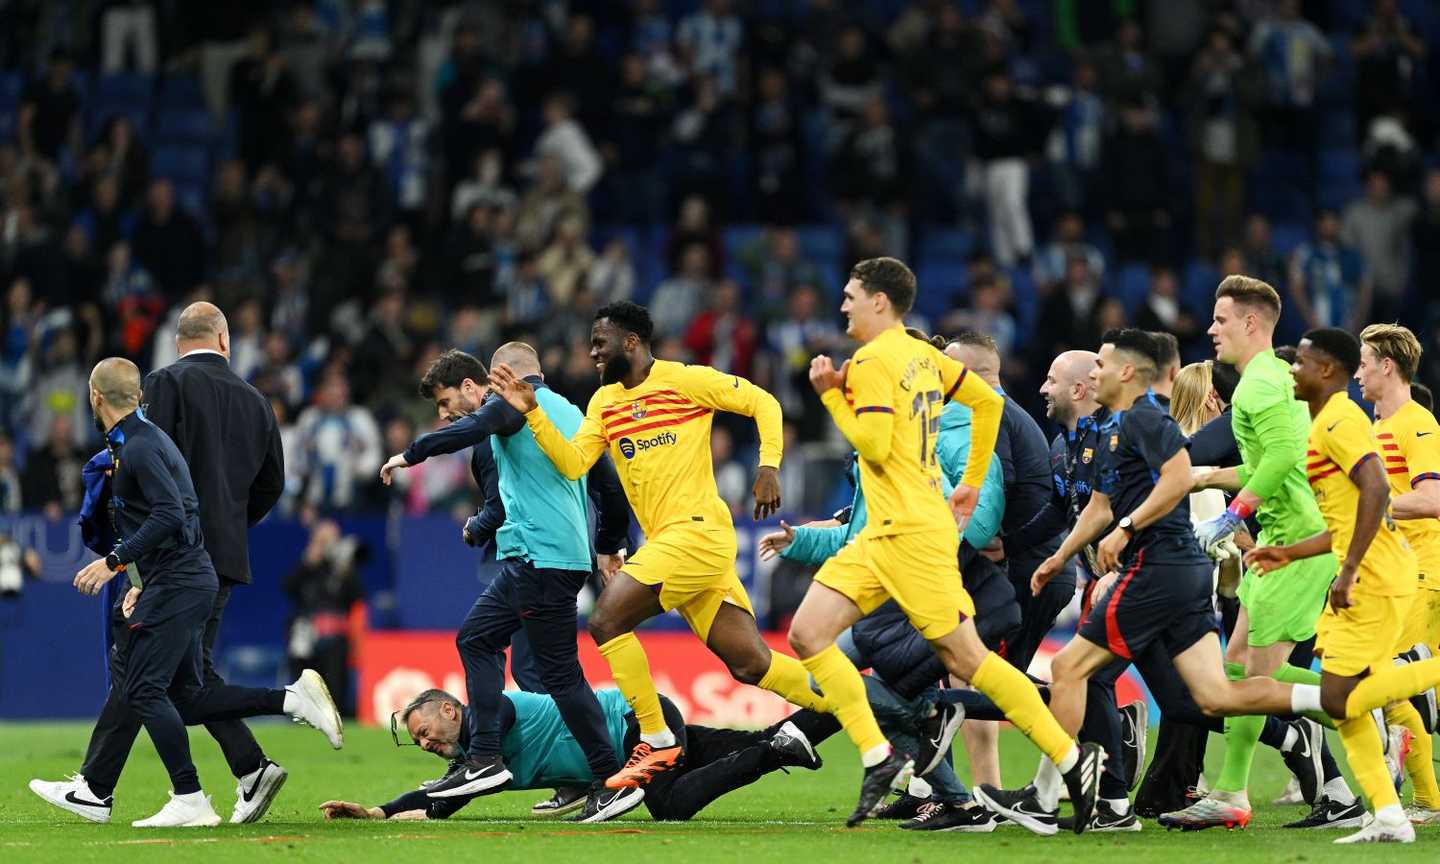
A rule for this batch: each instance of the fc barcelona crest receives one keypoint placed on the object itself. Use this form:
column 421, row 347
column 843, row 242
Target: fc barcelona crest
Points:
column 1114, row 442
column 637, row 409
column 1088, row 454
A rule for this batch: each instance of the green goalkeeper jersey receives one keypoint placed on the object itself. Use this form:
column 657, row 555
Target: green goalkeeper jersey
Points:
column 1272, row 430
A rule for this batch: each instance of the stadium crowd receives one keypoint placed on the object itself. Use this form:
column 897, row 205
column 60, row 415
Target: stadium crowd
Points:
column 362, row 185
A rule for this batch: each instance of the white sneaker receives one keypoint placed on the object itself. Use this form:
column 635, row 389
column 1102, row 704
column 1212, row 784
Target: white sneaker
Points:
column 74, row 794
column 1382, row 831
column 256, row 791
column 183, row 811
column 314, row 707
column 1422, row 815
column 1291, row 795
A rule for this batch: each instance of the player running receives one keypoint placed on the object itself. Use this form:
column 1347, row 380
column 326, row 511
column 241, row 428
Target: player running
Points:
column 1409, row 440
column 1275, row 614
column 654, row 417
column 887, row 400
column 1371, row 595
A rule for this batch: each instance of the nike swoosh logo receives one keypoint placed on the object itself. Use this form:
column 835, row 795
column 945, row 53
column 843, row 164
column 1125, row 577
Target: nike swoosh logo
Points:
column 471, row 775
column 254, row 787
column 737, row 382
column 1423, row 434
column 1331, row 427
column 858, row 362
column 70, row 796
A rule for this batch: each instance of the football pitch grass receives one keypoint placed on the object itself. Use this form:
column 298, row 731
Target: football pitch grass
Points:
column 796, row 818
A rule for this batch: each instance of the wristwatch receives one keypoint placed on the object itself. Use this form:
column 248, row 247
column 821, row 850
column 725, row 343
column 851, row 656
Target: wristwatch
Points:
column 1127, row 525
column 113, row 562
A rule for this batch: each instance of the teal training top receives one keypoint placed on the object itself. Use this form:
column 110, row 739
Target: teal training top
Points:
column 539, row 749
column 545, row 514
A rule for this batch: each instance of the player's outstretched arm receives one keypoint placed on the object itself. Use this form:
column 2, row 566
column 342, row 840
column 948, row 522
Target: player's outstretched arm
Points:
column 869, row 426
column 717, row 390
column 1264, row 559
column 1285, row 444
column 1173, row 484
column 572, row 457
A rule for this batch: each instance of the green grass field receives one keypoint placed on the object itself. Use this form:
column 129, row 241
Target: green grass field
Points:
column 795, row 818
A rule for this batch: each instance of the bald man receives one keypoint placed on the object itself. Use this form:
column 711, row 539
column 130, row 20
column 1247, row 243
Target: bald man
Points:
column 155, row 679
column 226, row 432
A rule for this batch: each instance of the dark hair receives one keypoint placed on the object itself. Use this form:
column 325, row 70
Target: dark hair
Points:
column 1167, row 348
column 976, row 339
column 1343, row 347
column 889, row 276
column 629, row 317
column 1420, row 393
column 1140, row 345
column 427, row 697
column 1224, row 377
column 1286, row 353
column 450, row 370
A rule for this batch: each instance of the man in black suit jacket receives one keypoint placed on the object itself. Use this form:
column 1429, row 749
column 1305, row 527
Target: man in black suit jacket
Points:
column 227, row 433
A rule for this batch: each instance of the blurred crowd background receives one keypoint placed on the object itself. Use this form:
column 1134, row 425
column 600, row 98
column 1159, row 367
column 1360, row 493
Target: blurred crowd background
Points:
column 361, row 184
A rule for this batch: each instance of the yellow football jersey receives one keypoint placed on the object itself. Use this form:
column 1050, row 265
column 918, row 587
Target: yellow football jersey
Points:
column 659, row 436
column 1410, row 445
column 902, row 384
column 1341, row 439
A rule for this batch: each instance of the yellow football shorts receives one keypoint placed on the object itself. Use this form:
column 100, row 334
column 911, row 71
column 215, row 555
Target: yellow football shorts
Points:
column 1422, row 622
column 1362, row 636
column 918, row 570
column 695, row 572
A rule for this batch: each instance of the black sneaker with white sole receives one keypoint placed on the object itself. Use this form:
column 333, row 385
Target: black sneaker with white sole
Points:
column 1083, row 781
column 566, row 799
column 1021, row 806
column 876, row 784
column 1134, row 728
column 793, row 749
column 472, row 777
column 449, row 769
column 936, row 734
column 970, row 818
column 1329, row 813
column 1106, row 820
column 1303, row 759
column 907, row 806
column 602, row 804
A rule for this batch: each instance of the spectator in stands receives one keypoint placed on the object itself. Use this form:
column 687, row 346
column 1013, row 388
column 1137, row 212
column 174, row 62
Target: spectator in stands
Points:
column 775, row 133
column 1221, row 96
column 278, row 376
column 1389, row 58
column 82, row 275
column 731, row 478
column 1292, row 53
column 566, row 262
column 1262, row 259
column 133, row 303
column 695, row 224
column 635, row 132
column 566, row 141
column 872, row 170
column 104, row 221
column 399, row 147
column 1378, row 227
column 337, row 446
column 1068, row 316
column 1137, row 180
column 1164, row 311
column 168, row 243
column 987, row 314
column 679, row 298
column 1005, row 128
column 774, row 266
column 807, row 329
column 18, row 349
column 1074, row 146
column 612, row 276
column 1052, row 263
column 10, row 485
column 1128, row 75
column 261, row 91
column 709, row 41
column 1329, row 281
column 323, row 587
column 470, row 253
column 129, row 24
column 305, row 44
column 941, row 67
column 51, row 482
column 50, row 112
column 480, row 187
column 704, row 136
column 576, row 67
column 476, row 115
column 125, row 158
column 355, row 201
column 380, row 370
column 247, row 338
column 1425, row 234
column 549, row 202
column 723, row 336
column 527, row 297
column 852, row 82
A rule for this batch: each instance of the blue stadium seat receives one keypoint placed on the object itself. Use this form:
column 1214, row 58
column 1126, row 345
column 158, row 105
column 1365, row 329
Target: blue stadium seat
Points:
column 822, row 244
column 181, row 91
column 1337, row 128
column 735, row 239
column 1131, row 285
column 184, row 125
column 193, row 197
column 1285, row 236
column 941, row 284
column 181, row 163
column 951, row 244
column 1340, row 180
column 124, row 89
column 12, row 86
column 1198, row 289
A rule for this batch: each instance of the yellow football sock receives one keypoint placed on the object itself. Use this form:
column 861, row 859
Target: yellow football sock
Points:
column 787, row 677
column 1392, row 684
column 1417, row 763
column 845, row 697
column 631, row 670
column 1367, row 761
column 1016, row 695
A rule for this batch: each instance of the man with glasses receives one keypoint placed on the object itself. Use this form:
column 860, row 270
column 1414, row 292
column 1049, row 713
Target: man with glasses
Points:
column 541, row 754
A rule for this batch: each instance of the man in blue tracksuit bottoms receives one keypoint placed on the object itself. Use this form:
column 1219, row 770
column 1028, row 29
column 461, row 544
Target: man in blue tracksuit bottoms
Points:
column 544, row 549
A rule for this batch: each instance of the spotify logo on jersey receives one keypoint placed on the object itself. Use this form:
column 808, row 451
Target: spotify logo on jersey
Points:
column 629, row 448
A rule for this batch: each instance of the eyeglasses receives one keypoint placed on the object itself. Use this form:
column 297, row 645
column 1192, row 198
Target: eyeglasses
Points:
column 395, row 730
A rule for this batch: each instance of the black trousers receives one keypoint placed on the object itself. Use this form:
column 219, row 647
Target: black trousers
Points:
column 541, row 604
column 1037, row 614
column 717, row 761
column 158, row 680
